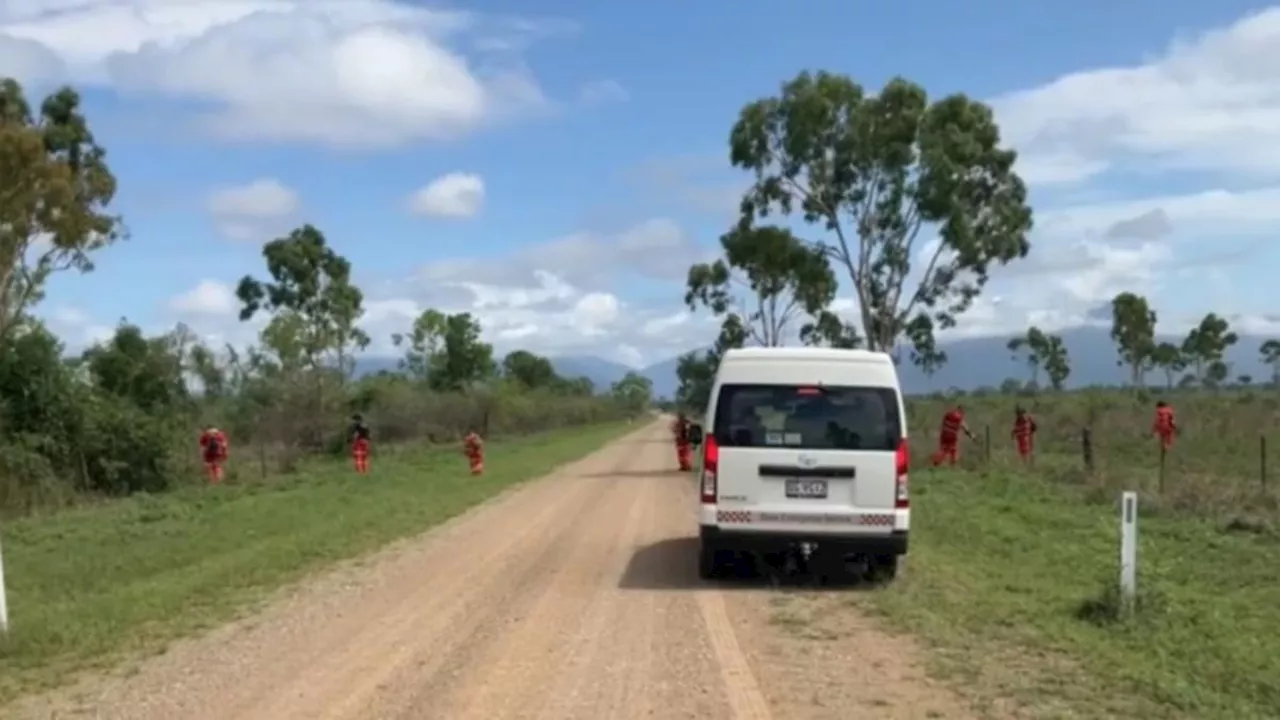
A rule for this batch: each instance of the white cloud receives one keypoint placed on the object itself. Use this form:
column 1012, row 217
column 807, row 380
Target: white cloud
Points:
column 254, row 210
column 1213, row 212
column 1208, row 103
column 1165, row 247
column 656, row 249
column 565, row 295
column 1259, row 325
column 210, row 310
column 344, row 72
column 603, row 92
column 630, row 356
column 701, row 182
column 207, row 298
column 77, row 328
column 29, row 61
column 595, row 311
column 552, row 318
column 265, row 198
column 456, row 195
column 659, row 326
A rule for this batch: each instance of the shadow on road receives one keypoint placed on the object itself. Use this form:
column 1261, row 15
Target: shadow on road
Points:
column 672, row 564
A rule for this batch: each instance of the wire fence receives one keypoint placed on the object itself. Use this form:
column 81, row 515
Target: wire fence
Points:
column 1219, row 459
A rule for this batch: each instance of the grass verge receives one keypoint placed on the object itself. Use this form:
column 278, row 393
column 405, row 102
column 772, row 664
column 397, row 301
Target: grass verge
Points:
column 92, row 587
column 1010, row 579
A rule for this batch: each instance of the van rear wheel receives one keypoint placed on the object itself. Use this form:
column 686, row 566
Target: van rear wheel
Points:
column 882, row 568
column 710, row 561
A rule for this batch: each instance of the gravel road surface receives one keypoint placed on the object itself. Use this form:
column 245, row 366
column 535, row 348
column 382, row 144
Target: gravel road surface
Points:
column 571, row 598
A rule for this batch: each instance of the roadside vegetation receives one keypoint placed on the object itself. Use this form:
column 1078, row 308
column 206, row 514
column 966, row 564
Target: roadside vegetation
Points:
column 122, row 416
column 908, row 205
column 113, row 541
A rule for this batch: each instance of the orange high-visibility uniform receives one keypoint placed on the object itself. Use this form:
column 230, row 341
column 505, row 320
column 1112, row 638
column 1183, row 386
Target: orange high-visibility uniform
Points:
column 949, row 438
column 213, row 449
column 473, row 448
column 360, row 437
column 1024, row 434
column 684, row 451
column 1164, row 426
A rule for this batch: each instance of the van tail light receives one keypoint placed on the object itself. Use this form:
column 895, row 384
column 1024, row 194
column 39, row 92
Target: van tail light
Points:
column 902, row 499
column 710, row 464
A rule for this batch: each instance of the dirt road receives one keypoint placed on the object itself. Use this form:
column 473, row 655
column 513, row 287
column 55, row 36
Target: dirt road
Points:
column 571, row 598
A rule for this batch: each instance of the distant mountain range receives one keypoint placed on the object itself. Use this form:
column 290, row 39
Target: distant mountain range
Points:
column 971, row 363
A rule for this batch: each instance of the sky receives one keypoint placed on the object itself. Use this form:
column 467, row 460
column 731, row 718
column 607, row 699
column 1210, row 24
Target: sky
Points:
column 555, row 173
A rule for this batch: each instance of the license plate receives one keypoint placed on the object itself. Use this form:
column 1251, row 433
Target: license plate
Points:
column 806, row 488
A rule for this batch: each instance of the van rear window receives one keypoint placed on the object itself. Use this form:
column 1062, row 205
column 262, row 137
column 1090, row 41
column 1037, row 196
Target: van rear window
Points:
column 808, row 417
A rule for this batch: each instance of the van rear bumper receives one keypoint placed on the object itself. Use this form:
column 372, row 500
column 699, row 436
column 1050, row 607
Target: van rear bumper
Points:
column 894, row 543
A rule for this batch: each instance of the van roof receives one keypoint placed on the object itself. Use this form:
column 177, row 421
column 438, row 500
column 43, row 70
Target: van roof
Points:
column 807, row 354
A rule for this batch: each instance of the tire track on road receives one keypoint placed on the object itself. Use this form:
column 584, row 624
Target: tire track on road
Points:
column 512, row 574
column 576, row 692
column 512, row 677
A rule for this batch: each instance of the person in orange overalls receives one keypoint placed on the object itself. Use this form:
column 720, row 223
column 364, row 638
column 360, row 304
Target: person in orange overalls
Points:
column 213, row 449
column 684, row 453
column 360, row 436
column 1164, row 426
column 473, row 448
column 949, row 438
column 1024, row 433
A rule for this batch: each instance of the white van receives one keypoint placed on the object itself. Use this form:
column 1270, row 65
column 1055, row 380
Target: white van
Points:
column 804, row 446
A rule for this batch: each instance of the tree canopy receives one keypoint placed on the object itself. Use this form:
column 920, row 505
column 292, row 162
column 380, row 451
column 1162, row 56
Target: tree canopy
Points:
column 1133, row 328
column 55, row 202
column 311, row 294
column 1043, row 351
column 766, row 280
column 892, row 178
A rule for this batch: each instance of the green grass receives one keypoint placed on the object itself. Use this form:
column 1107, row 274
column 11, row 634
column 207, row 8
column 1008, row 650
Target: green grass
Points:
column 1225, row 459
column 93, row 587
column 1010, row 577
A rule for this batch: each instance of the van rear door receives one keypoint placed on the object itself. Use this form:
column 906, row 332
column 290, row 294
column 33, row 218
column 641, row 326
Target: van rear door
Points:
column 807, row 449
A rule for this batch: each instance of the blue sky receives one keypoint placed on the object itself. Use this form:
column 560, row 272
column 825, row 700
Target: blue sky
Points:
column 587, row 146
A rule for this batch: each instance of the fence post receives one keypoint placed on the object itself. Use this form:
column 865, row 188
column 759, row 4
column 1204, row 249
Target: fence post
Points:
column 1128, row 551
column 1262, row 461
column 4, row 600
column 1086, row 448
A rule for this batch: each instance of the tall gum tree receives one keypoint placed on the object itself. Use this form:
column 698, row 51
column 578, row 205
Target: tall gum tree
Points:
column 311, row 281
column 531, row 371
column 1043, row 351
column 312, row 333
column 1169, row 358
column 1269, row 353
column 55, row 189
column 1133, row 328
column 1029, row 345
column 877, row 172
column 446, row 351
column 769, row 279
column 1056, row 360
column 1205, row 346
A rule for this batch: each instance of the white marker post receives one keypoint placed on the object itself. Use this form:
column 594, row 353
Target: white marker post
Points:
column 1128, row 550
column 4, row 602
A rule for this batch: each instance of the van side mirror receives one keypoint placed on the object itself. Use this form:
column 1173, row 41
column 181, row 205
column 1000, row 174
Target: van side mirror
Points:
column 695, row 434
